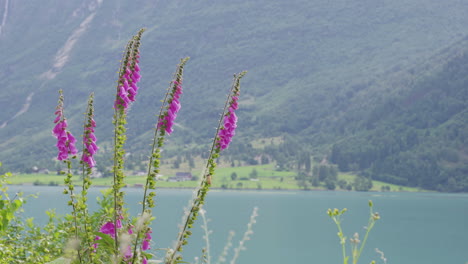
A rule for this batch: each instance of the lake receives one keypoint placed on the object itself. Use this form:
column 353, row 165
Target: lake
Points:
column 293, row 227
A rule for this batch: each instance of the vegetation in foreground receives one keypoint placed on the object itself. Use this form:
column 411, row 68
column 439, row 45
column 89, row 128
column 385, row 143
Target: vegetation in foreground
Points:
column 110, row 234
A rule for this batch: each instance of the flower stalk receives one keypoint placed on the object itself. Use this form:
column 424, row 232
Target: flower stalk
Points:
column 120, row 239
column 125, row 94
column 223, row 136
column 167, row 116
column 246, row 236
column 87, row 161
column 356, row 251
column 66, row 147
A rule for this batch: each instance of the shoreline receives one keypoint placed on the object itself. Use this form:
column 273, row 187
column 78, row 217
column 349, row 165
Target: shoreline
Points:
column 137, row 186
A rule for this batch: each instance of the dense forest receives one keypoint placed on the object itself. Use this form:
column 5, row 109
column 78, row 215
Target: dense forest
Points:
column 418, row 137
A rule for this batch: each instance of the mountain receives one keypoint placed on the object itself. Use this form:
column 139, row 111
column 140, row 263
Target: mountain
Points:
column 417, row 135
column 323, row 75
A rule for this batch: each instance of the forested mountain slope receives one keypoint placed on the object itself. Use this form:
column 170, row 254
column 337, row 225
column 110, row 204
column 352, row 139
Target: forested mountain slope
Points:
column 417, row 136
column 318, row 70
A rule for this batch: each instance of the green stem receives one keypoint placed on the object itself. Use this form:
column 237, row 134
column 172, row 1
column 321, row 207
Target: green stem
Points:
column 72, row 203
column 370, row 225
column 204, row 184
column 342, row 239
column 206, row 257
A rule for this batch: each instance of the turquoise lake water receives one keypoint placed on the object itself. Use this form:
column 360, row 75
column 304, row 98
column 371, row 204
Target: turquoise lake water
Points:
column 293, row 227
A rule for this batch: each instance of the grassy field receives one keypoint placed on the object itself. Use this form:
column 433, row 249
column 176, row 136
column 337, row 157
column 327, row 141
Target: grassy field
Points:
column 377, row 185
column 267, row 178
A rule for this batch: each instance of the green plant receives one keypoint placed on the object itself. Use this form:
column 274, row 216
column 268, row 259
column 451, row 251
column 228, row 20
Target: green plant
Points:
column 356, row 245
column 8, row 207
column 111, row 235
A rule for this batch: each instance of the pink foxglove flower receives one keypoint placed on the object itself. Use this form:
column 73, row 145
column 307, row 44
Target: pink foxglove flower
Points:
column 174, row 106
column 108, row 228
column 89, row 141
column 228, row 130
column 145, row 245
column 65, row 140
column 128, row 84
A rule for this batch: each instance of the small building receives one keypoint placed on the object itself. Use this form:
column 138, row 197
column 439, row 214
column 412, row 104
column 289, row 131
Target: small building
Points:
column 181, row 176
column 43, row 171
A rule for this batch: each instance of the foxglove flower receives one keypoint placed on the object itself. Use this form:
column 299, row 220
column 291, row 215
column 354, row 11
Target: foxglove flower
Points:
column 174, row 106
column 146, row 242
column 128, row 84
column 65, row 140
column 89, row 142
column 228, row 130
column 109, row 229
column 145, row 245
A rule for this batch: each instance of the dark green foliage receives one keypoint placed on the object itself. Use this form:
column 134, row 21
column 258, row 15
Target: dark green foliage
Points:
column 421, row 139
column 330, row 184
column 315, row 181
column 233, row 176
column 362, row 184
column 253, row 174
column 342, row 184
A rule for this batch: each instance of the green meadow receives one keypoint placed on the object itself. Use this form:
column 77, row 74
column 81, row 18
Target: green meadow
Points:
column 267, row 177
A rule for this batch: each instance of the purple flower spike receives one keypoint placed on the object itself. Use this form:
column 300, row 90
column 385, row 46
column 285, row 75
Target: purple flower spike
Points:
column 128, row 87
column 71, row 144
column 89, row 142
column 123, row 95
column 146, row 242
column 174, row 106
column 227, row 132
column 65, row 140
column 108, row 228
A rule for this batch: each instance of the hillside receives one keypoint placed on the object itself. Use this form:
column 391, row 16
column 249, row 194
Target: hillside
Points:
column 320, row 75
column 417, row 136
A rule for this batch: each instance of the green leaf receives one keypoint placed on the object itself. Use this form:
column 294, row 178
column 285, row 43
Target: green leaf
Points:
column 106, row 241
column 17, row 204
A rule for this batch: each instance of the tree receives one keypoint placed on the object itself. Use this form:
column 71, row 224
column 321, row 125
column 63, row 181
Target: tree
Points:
column 307, row 164
column 176, row 164
column 342, row 184
column 362, row 184
column 233, row 176
column 333, row 172
column 315, row 181
column 330, row 184
column 191, row 162
column 315, row 171
column 253, row 174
